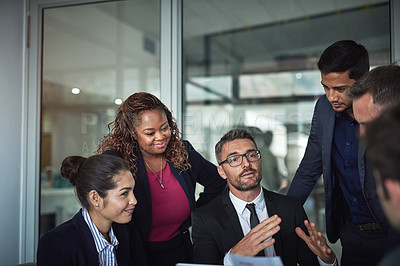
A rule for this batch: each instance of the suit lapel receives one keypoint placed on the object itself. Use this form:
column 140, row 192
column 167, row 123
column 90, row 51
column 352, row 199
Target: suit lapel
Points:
column 232, row 216
column 122, row 234
column 183, row 178
column 272, row 210
column 143, row 179
column 327, row 140
column 87, row 239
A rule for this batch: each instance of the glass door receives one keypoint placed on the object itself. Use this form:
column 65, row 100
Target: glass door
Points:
column 93, row 57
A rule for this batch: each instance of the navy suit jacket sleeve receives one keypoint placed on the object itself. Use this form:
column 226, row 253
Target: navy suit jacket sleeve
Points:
column 54, row 250
column 205, row 173
column 311, row 166
column 72, row 244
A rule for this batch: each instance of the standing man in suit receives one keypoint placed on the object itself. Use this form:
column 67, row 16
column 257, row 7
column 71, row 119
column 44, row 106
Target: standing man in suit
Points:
column 224, row 226
column 333, row 150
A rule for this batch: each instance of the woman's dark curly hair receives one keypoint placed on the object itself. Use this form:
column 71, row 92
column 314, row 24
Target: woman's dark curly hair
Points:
column 124, row 126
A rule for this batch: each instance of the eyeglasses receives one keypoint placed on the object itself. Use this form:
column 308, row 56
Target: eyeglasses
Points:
column 236, row 160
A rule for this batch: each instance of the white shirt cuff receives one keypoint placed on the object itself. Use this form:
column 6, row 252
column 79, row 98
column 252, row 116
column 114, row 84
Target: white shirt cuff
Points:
column 227, row 259
column 326, row 264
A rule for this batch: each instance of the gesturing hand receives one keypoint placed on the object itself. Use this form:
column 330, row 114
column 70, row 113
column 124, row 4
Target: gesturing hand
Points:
column 252, row 243
column 316, row 242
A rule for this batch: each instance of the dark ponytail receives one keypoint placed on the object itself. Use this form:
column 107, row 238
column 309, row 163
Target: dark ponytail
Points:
column 94, row 173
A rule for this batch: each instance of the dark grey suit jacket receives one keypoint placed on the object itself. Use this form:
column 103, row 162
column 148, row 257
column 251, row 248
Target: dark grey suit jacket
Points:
column 216, row 229
column 317, row 162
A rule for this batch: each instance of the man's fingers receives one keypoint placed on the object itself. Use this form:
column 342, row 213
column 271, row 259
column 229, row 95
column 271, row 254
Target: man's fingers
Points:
column 269, row 233
column 272, row 224
column 265, row 232
column 312, row 230
column 267, row 224
column 267, row 243
column 250, row 247
column 301, row 234
column 271, row 220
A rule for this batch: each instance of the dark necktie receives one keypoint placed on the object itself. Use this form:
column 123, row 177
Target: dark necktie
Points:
column 254, row 220
column 253, row 216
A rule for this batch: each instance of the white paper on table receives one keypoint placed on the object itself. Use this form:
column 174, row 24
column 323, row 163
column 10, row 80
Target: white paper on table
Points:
column 255, row 261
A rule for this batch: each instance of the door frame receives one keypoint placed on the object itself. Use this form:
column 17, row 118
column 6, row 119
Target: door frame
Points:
column 170, row 91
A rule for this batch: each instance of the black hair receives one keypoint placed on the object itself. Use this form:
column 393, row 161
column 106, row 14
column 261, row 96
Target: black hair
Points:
column 94, row 173
column 342, row 56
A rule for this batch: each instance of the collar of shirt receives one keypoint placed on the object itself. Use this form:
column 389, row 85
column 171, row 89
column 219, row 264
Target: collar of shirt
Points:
column 240, row 205
column 99, row 240
column 345, row 116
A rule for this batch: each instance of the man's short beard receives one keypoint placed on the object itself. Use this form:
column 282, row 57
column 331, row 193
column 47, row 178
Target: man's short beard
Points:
column 243, row 187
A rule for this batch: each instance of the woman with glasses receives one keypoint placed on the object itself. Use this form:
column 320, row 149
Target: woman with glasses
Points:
column 167, row 169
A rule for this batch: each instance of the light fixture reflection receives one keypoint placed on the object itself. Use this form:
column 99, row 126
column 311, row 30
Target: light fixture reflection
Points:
column 299, row 75
column 118, row 101
column 75, row 90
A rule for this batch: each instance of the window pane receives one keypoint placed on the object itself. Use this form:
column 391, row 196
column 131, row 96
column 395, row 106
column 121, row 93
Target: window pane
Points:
column 253, row 64
column 93, row 56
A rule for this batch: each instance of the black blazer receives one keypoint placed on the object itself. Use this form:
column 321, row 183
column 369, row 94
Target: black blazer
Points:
column 202, row 171
column 216, row 229
column 72, row 244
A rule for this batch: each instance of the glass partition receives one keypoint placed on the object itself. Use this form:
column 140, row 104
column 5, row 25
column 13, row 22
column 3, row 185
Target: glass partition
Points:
column 253, row 64
column 94, row 56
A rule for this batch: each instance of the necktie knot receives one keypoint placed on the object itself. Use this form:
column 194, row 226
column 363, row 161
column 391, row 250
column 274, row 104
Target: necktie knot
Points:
column 251, row 207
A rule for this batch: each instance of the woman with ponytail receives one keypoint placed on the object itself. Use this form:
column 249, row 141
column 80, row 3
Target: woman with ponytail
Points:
column 96, row 235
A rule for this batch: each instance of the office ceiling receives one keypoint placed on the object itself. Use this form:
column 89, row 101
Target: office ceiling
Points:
column 252, row 28
column 291, row 33
column 214, row 16
column 247, row 33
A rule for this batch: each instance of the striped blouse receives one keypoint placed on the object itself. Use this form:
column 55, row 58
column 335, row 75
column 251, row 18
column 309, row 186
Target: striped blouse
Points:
column 105, row 249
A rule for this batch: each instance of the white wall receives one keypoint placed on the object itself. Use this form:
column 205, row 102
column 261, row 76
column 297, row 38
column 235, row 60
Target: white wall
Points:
column 11, row 100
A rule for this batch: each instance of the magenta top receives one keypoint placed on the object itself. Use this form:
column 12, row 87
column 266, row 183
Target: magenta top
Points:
column 170, row 206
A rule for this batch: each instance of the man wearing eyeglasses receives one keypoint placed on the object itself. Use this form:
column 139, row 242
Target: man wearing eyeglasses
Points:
column 231, row 223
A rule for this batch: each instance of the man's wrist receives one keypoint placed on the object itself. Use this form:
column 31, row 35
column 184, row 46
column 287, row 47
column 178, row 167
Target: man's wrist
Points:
column 322, row 263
